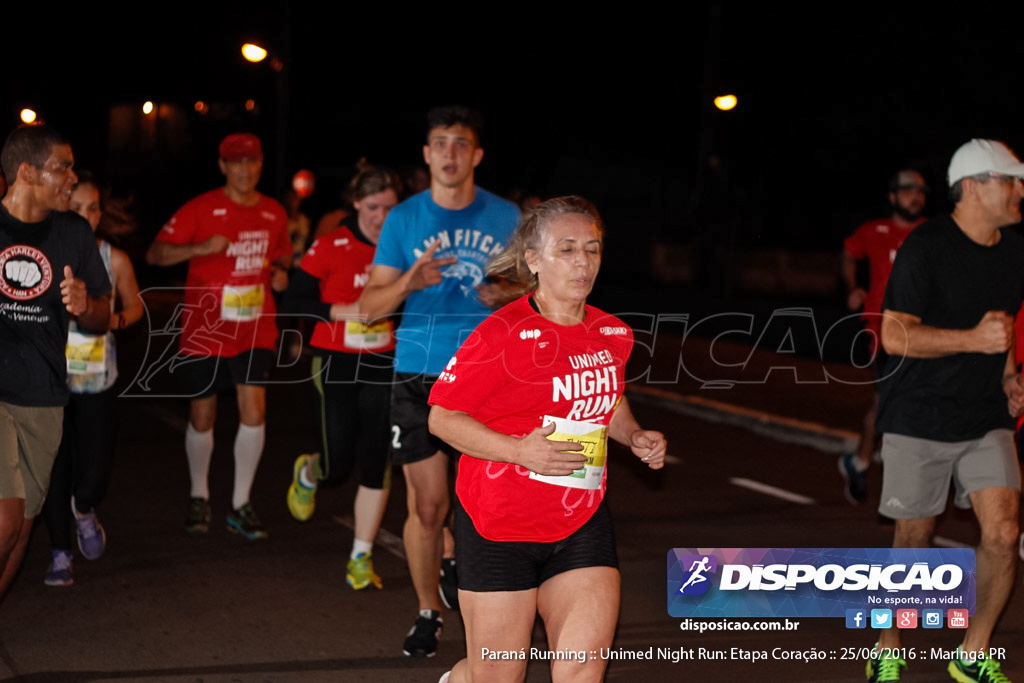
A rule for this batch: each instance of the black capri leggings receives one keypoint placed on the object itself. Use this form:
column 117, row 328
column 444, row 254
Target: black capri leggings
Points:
column 354, row 424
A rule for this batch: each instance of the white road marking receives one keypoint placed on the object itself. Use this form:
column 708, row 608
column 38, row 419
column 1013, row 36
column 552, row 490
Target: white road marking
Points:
column 771, row 491
column 778, row 427
column 944, row 542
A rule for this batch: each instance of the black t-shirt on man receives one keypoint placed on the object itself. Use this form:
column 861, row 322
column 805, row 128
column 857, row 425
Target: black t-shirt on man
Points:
column 949, row 281
column 33, row 319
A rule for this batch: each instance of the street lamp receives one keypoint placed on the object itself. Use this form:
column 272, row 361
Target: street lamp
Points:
column 255, row 53
column 725, row 102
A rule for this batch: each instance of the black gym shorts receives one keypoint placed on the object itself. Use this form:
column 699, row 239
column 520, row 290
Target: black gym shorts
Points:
column 488, row 566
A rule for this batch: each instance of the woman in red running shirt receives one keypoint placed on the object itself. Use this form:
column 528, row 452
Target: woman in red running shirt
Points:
column 530, row 400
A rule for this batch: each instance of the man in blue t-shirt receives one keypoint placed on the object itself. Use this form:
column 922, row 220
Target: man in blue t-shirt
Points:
column 431, row 258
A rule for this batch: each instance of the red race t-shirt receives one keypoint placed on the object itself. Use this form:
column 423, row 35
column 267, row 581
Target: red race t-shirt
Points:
column 341, row 262
column 515, row 369
column 877, row 241
column 229, row 307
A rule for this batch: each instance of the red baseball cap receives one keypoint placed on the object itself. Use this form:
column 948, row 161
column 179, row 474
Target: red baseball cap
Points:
column 240, row 146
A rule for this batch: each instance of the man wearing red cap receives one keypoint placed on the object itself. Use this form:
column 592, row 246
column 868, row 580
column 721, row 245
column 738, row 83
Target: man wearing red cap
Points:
column 236, row 243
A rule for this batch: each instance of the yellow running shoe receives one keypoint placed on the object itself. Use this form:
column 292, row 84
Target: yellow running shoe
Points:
column 359, row 573
column 301, row 499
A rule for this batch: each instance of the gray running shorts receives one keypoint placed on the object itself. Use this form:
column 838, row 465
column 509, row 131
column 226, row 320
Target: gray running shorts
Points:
column 917, row 472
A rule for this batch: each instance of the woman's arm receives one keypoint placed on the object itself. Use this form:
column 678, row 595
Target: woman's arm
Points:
column 533, row 451
column 648, row 445
column 127, row 291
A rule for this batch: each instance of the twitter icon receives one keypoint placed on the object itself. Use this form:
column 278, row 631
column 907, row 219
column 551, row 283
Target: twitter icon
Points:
column 881, row 618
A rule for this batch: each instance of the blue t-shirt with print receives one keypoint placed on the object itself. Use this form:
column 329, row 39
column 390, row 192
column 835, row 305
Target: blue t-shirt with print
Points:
column 436, row 320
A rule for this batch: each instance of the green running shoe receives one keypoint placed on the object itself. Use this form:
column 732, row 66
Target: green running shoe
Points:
column 301, row 499
column 979, row 670
column 884, row 668
column 359, row 573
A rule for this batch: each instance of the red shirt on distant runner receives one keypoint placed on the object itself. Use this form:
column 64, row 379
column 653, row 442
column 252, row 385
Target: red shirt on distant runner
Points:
column 877, row 241
column 341, row 262
column 229, row 306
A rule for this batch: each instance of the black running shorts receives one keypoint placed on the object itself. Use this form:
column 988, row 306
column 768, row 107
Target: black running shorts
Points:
column 205, row 376
column 486, row 566
column 411, row 440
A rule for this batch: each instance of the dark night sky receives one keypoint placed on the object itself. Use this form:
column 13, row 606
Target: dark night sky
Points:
column 616, row 107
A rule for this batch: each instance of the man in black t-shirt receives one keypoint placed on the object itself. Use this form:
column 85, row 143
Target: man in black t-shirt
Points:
column 50, row 268
column 951, row 388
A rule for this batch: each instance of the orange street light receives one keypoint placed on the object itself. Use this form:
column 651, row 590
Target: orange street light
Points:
column 253, row 52
column 725, row 102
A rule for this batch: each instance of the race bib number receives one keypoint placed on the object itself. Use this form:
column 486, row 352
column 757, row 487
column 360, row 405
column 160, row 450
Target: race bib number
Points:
column 367, row 337
column 594, row 438
column 86, row 353
column 241, row 304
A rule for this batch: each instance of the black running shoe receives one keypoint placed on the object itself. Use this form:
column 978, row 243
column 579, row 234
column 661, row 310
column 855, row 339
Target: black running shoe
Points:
column 422, row 638
column 448, row 586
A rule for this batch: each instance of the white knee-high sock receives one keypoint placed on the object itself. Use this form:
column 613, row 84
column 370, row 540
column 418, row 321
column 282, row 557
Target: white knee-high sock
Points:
column 199, row 450
column 248, row 451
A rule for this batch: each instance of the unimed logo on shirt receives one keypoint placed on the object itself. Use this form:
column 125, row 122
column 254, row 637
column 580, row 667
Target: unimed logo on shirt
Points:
column 817, row 582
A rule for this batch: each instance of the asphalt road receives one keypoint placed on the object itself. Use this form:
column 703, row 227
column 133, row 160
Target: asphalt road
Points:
column 754, row 444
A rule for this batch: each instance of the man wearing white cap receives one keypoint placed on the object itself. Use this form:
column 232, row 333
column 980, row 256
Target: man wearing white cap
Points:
column 237, row 247
column 952, row 388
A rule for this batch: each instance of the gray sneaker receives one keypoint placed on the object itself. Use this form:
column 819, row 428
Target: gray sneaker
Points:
column 92, row 539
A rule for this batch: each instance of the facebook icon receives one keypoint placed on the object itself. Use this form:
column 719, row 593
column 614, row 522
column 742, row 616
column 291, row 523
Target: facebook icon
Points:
column 856, row 618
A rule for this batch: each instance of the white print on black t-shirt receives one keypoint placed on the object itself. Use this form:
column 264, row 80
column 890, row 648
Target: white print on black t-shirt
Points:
column 25, row 272
column 23, row 313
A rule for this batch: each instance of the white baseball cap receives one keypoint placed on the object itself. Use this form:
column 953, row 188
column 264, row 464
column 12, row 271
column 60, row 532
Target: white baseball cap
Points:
column 983, row 156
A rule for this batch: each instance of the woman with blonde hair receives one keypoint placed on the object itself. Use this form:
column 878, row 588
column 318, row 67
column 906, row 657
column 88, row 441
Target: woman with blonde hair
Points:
column 530, row 400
